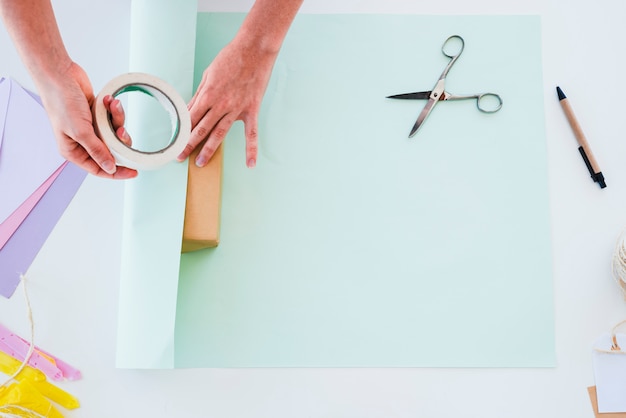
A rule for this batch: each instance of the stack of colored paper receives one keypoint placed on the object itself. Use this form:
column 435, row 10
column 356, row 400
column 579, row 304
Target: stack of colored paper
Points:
column 36, row 184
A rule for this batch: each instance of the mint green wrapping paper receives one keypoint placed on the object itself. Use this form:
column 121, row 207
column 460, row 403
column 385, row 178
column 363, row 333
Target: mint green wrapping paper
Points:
column 162, row 44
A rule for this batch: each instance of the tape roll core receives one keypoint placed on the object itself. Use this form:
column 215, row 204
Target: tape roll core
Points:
column 167, row 97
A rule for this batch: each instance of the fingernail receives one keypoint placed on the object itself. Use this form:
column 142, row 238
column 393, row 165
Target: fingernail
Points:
column 201, row 161
column 118, row 105
column 180, row 158
column 125, row 137
column 251, row 163
column 108, row 166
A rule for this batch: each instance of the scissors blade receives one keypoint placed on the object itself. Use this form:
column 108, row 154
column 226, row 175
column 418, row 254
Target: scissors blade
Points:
column 422, row 117
column 420, row 95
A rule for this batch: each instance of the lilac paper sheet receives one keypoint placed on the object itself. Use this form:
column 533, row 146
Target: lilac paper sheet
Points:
column 20, row 251
column 29, row 153
column 5, row 95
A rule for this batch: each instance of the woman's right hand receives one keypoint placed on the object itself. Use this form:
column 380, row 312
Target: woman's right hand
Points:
column 68, row 104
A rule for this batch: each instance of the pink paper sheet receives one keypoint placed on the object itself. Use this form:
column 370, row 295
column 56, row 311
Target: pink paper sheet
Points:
column 10, row 225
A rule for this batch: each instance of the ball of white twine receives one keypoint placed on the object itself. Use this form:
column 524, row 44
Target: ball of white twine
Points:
column 619, row 262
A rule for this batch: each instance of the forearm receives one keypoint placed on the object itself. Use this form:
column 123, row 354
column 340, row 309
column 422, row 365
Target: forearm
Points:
column 33, row 28
column 267, row 23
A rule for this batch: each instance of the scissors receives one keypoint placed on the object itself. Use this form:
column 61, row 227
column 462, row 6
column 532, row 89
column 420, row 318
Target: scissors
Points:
column 486, row 102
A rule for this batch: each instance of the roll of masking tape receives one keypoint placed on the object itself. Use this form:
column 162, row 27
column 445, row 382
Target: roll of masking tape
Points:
column 171, row 101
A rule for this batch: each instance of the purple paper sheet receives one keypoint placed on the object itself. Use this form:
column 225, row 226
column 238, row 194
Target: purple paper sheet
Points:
column 20, row 251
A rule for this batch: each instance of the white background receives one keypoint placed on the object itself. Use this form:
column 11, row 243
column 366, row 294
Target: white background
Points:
column 74, row 281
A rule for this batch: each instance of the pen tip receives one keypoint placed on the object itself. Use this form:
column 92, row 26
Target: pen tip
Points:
column 599, row 178
column 560, row 93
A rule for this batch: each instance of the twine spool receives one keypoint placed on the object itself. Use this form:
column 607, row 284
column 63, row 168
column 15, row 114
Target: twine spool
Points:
column 619, row 263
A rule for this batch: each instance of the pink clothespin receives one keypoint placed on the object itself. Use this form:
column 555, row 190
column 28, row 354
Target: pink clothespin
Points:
column 17, row 347
column 69, row 372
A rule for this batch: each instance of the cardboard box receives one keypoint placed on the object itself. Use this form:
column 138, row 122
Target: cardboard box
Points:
column 204, row 201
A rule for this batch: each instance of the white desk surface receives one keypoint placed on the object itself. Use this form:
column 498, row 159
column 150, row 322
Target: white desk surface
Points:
column 73, row 283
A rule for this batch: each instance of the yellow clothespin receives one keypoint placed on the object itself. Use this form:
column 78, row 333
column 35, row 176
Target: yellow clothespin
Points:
column 37, row 380
column 23, row 395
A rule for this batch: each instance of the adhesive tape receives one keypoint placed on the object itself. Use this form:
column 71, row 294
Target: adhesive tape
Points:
column 171, row 101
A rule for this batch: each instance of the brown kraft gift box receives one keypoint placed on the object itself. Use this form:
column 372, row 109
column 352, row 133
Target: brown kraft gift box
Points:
column 204, row 196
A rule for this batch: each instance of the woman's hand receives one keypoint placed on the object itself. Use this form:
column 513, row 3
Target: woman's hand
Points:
column 231, row 89
column 68, row 102
column 233, row 86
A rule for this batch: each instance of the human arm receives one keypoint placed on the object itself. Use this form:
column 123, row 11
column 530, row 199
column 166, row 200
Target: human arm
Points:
column 64, row 87
column 233, row 85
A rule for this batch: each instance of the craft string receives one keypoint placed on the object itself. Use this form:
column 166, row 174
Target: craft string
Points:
column 615, row 347
column 10, row 411
column 619, row 263
column 31, row 323
column 16, row 411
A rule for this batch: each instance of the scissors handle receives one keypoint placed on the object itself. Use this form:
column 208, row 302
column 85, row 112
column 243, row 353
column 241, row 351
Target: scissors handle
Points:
column 486, row 102
column 453, row 57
